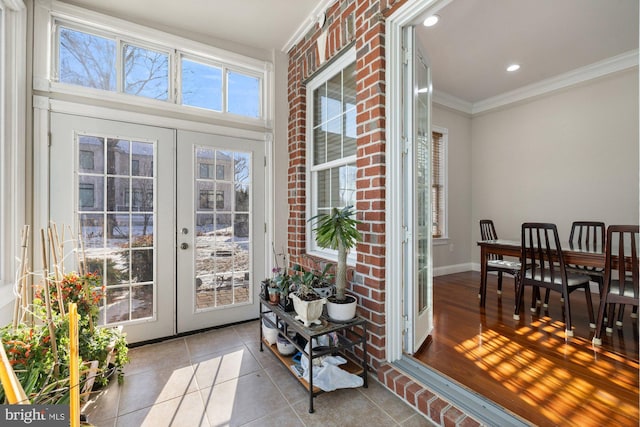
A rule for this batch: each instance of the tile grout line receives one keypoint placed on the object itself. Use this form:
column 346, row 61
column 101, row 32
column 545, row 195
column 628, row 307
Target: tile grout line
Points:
column 361, row 390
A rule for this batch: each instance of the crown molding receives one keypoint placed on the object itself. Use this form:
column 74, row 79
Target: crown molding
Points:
column 579, row 75
column 450, row 101
column 307, row 24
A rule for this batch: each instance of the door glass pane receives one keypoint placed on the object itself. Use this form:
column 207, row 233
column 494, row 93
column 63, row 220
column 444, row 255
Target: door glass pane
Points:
column 146, row 72
column 422, row 188
column 223, row 238
column 116, row 219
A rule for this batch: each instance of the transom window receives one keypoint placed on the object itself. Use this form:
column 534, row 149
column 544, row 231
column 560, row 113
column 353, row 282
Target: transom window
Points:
column 332, row 136
column 100, row 60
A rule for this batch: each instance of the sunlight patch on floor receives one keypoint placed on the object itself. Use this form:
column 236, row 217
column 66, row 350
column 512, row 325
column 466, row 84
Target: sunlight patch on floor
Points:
column 536, row 380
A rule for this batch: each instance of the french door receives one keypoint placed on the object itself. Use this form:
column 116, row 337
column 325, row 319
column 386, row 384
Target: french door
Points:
column 221, row 229
column 417, row 220
column 112, row 183
column 175, row 254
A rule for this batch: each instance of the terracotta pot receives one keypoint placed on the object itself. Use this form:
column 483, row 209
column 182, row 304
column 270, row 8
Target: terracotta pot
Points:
column 274, row 296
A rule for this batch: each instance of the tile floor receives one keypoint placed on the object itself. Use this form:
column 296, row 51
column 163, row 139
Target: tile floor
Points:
column 220, row 378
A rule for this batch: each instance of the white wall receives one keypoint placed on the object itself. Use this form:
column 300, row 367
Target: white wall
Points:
column 572, row 155
column 455, row 250
column 280, row 154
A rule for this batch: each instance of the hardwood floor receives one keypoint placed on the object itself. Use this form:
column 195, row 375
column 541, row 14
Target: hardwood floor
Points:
column 528, row 366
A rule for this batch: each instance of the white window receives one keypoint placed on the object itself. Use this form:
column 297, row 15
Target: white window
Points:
column 439, row 182
column 96, row 55
column 13, row 56
column 331, row 141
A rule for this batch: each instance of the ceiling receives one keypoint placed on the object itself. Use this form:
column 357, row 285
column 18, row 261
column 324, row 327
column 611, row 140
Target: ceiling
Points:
column 468, row 49
column 264, row 24
column 475, row 40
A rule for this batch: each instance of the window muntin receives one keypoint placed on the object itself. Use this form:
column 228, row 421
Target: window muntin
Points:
column 88, row 59
column 223, row 236
column 116, row 217
column 332, row 147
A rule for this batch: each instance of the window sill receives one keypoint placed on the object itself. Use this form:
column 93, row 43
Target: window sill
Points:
column 333, row 257
column 441, row 241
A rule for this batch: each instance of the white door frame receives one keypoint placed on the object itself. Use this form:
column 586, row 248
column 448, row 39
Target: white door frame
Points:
column 43, row 105
column 405, row 15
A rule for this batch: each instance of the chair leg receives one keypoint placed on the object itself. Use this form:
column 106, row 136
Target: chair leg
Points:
column 535, row 291
column 609, row 327
column 634, row 312
column 546, row 298
column 620, row 315
column 587, row 293
column 597, row 337
column 499, row 282
column 519, row 298
column 567, row 314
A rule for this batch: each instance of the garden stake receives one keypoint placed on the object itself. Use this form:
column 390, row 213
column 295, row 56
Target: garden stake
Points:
column 19, row 302
column 56, row 269
column 47, row 301
column 13, row 390
column 74, row 375
column 81, row 260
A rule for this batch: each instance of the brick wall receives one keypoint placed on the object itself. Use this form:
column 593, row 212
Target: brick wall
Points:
column 347, row 22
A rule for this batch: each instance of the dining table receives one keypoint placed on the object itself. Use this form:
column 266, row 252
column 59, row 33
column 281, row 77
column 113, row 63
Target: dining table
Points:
column 512, row 248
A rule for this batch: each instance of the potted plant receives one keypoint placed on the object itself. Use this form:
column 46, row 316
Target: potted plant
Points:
column 338, row 230
column 307, row 304
column 274, row 293
column 282, row 281
column 322, row 284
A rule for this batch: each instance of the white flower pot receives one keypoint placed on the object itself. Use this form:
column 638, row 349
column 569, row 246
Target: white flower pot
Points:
column 342, row 312
column 308, row 312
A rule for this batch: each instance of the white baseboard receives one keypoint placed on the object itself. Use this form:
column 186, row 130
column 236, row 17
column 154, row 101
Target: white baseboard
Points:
column 450, row 269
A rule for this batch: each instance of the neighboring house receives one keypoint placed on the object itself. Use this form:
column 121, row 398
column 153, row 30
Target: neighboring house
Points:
column 338, row 141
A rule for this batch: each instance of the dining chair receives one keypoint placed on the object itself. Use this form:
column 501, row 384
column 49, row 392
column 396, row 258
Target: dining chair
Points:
column 542, row 253
column 590, row 236
column 496, row 262
column 621, row 275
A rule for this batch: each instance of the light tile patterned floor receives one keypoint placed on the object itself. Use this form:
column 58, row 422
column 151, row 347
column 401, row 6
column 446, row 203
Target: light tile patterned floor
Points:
column 220, row 378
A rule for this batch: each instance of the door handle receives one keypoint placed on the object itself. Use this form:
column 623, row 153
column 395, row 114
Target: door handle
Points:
column 184, row 246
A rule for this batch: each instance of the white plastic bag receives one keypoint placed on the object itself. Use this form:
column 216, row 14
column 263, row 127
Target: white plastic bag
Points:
column 327, row 374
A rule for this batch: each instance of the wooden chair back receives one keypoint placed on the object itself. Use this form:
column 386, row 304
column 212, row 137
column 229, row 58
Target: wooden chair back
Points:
column 488, row 232
column 541, row 252
column 621, row 264
column 621, row 275
column 587, row 235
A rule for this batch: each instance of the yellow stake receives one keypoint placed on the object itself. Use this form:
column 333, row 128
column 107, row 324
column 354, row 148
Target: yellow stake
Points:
column 12, row 388
column 74, row 373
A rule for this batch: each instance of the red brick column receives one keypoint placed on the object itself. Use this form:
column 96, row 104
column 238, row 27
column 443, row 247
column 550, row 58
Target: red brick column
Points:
column 348, row 22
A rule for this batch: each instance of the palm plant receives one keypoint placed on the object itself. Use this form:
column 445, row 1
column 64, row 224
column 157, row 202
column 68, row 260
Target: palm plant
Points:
column 338, row 230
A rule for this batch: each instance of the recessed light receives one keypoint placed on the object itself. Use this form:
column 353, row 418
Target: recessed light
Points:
column 431, row 21
column 513, row 67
